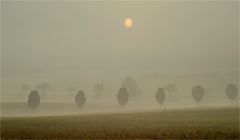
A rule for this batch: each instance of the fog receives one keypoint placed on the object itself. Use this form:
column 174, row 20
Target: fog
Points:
column 73, row 46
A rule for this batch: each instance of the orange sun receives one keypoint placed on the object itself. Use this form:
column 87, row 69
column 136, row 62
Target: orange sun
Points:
column 128, row 23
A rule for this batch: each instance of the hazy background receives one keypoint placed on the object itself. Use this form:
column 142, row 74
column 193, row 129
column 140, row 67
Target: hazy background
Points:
column 80, row 44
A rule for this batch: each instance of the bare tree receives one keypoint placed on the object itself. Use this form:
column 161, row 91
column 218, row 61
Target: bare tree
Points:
column 33, row 99
column 197, row 93
column 122, row 96
column 80, row 99
column 160, row 95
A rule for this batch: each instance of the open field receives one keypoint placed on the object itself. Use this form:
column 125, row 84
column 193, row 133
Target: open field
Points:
column 173, row 124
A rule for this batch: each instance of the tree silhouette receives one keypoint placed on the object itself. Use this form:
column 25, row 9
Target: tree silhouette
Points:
column 33, row 99
column 197, row 93
column 80, row 99
column 231, row 92
column 122, row 96
column 160, row 95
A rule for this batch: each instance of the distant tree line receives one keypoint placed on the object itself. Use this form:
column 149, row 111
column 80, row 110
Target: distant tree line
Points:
column 80, row 99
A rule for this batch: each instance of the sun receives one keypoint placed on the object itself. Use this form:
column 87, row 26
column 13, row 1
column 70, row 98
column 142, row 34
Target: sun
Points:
column 128, row 23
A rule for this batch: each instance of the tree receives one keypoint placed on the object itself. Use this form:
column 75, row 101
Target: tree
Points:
column 98, row 89
column 122, row 96
column 197, row 93
column 160, row 95
column 33, row 99
column 132, row 87
column 231, row 92
column 43, row 87
column 80, row 99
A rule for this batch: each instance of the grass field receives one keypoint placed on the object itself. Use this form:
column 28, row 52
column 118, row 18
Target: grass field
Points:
column 172, row 124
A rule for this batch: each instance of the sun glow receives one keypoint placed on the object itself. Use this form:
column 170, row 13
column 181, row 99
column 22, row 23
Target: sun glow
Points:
column 128, row 23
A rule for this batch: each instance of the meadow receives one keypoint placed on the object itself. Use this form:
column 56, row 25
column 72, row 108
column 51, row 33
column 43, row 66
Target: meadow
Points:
column 213, row 123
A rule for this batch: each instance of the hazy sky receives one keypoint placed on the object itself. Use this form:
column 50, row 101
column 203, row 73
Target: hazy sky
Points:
column 57, row 41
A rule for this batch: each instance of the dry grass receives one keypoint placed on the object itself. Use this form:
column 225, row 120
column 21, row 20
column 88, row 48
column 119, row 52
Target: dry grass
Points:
column 188, row 124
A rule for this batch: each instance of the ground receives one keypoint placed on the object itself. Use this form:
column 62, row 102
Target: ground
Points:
column 217, row 123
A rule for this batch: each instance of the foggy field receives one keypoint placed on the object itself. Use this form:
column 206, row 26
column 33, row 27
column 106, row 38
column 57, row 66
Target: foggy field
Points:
column 131, row 69
column 216, row 123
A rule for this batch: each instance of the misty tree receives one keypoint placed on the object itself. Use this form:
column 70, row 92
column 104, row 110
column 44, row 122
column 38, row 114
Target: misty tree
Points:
column 231, row 92
column 33, row 99
column 122, row 96
column 43, row 87
column 197, row 93
column 132, row 87
column 160, row 95
column 98, row 89
column 80, row 99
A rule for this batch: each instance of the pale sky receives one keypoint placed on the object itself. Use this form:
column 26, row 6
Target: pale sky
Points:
column 57, row 41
